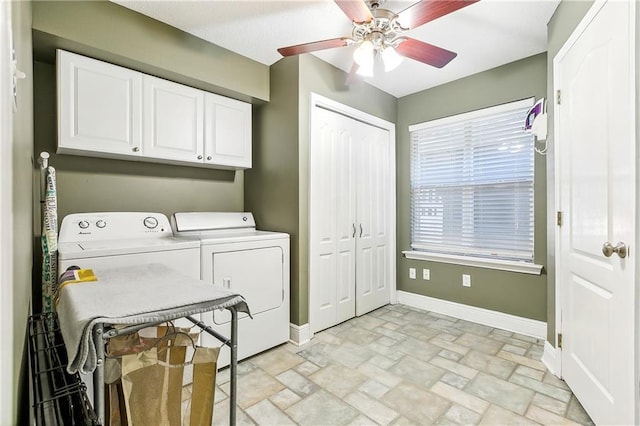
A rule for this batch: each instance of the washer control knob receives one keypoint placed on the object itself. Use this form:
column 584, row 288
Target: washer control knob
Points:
column 150, row 222
column 83, row 224
column 101, row 223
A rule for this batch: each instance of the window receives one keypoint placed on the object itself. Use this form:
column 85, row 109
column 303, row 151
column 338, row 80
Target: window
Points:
column 472, row 185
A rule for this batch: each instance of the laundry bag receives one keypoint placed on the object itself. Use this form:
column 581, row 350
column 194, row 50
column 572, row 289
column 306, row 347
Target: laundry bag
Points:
column 160, row 381
column 171, row 382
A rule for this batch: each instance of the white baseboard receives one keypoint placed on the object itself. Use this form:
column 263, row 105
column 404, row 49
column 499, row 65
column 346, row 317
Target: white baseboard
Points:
column 299, row 334
column 551, row 359
column 483, row 316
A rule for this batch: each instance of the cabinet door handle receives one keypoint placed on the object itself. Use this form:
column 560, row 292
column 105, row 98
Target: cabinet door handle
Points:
column 208, row 158
column 135, row 149
column 354, row 230
column 199, row 157
column 360, row 230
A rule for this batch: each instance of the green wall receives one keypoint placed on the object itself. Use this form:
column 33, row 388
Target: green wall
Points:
column 113, row 33
column 567, row 16
column 277, row 186
column 509, row 292
column 22, row 214
column 272, row 184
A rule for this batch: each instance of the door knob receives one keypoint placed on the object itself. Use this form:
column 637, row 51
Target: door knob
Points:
column 620, row 248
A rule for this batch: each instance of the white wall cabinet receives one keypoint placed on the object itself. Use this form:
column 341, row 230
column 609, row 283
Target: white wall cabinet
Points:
column 173, row 121
column 108, row 111
column 99, row 108
column 227, row 135
column 350, row 229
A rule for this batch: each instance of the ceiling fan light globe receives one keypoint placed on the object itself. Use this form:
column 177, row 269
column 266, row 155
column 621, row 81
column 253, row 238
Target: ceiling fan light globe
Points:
column 363, row 55
column 366, row 70
column 390, row 58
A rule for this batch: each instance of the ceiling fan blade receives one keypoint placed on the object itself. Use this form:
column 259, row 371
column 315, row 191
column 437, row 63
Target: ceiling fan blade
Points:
column 313, row 46
column 356, row 10
column 428, row 10
column 425, row 52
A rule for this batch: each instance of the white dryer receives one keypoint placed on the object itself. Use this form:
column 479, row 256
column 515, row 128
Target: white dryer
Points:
column 253, row 263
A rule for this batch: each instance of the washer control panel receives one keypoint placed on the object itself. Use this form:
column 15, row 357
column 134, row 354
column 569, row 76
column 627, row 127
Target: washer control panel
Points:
column 113, row 225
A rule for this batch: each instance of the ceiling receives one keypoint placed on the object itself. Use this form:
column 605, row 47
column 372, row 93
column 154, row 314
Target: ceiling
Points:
column 485, row 35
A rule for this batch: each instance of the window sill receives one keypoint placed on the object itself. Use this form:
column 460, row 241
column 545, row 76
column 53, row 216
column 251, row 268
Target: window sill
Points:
column 503, row 265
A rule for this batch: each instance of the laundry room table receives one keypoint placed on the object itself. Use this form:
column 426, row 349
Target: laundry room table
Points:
column 137, row 297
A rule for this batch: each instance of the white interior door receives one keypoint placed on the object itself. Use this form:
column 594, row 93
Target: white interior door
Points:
column 332, row 246
column 596, row 192
column 350, row 224
column 343, row 217
column 372, row 239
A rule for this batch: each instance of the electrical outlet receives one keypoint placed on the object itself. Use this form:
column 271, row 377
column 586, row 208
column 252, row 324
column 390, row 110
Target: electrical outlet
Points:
column 466, row 280
column 412, row 273
column 426, row 274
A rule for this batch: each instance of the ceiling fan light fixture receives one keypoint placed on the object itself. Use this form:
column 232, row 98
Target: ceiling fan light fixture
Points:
column 363, row 55
column 366, row 70
column 390, row 58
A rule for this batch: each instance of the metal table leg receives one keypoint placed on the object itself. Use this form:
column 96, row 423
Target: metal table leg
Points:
column 233, row 365
column 98, row 373
column 232, row 342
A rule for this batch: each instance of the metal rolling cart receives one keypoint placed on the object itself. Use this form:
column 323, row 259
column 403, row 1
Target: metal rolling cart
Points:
column 103, row 332
column 89, row 313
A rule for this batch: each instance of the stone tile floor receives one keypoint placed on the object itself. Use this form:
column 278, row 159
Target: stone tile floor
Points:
column 401, row 366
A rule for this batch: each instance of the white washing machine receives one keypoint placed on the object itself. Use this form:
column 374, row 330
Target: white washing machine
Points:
column 117, row 239
column 93, row 240
column 253, row 263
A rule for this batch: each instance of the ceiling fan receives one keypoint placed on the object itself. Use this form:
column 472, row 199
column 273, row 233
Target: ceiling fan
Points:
column 380, row 32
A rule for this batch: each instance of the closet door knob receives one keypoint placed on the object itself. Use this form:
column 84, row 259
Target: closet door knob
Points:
column 608, row 249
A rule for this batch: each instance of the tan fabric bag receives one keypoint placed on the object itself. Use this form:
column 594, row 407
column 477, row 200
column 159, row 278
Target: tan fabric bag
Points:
column 153, row 381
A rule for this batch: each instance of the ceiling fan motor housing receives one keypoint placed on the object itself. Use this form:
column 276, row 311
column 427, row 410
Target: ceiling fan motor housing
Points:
column 383, row 30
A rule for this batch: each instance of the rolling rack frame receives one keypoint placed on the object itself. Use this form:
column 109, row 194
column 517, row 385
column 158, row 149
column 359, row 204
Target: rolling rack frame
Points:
column 102, row 332
column 56, row 397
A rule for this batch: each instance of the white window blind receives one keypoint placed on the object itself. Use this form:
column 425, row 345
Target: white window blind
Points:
column 472, row 184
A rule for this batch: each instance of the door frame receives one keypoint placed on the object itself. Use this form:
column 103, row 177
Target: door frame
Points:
column 635, row 83
column 339, row 108
column 7, row 349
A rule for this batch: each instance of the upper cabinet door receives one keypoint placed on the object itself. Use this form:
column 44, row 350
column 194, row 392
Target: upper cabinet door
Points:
column 173, row 121
column 99, row 107
column 227, row 132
